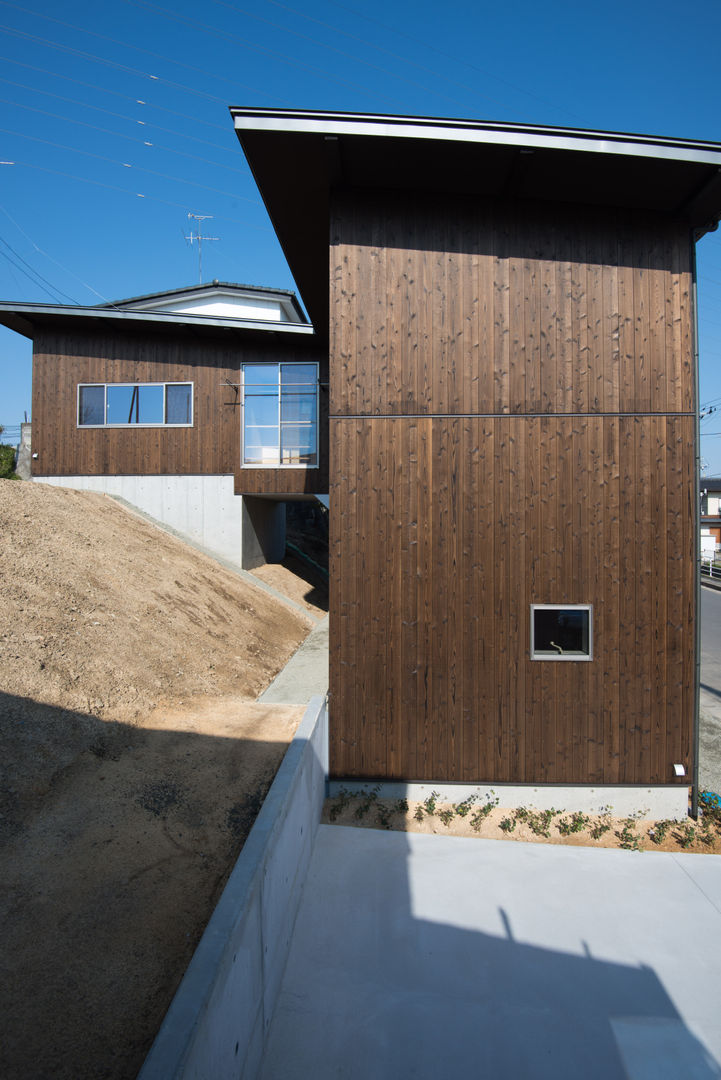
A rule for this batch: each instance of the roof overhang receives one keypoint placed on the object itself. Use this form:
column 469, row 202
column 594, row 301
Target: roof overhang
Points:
column 321, row 151
column 28, row 319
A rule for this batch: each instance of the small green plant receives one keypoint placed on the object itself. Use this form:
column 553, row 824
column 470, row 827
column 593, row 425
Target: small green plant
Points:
column 481, row 813
column 540, row 823
column 577, row 822
column 522, row 813
column 508, row 824
column 464, row 808
column 447, row 815
column 367, row 800
column 339, row 803
column 627, row 836
column 705, row 831
column 430, row 803
column 602, row 823
column 685, row 834
column 659, row 830
column 418, row 813
column 384, row 813
column 401, row 806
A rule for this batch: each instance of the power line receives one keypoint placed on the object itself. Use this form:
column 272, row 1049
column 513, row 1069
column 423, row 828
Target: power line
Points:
column 227, row 36
column 32, row 274
column 121, row 116
column 340, row 52
column 120, row 134
column 369, row 44
column 125, row 68
column 125, row 45
column 107, row 131
column 47, row 256
column 128, row 165
column 114, row 93
column 448, row 56
column 136, row 194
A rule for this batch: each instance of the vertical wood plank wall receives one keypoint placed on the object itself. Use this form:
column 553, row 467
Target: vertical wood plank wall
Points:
column 211, row 446
column 512, row 399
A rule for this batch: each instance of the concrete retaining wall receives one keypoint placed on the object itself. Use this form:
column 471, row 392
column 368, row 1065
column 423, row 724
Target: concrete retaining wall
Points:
column 204, row 509
column 216, row 1026
column 653, row 803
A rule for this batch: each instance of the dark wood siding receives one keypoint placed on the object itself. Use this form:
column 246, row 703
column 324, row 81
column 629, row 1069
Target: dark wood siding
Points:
column 507, row 309
column 511, row 423
column 211, row 446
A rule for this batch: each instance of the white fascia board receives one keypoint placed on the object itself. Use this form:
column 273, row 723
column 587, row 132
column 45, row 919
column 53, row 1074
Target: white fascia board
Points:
column 462, row 131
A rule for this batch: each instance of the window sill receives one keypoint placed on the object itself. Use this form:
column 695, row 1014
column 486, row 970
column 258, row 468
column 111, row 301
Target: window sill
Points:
column 578, row 656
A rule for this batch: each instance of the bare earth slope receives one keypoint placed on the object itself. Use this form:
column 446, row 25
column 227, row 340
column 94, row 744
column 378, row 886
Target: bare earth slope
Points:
column 134, row 759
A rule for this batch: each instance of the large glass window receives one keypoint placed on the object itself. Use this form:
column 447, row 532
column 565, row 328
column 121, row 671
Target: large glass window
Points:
column 280, row 414
column 124, row 404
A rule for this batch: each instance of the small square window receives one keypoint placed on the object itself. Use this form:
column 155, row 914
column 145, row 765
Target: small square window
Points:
column 561, row 632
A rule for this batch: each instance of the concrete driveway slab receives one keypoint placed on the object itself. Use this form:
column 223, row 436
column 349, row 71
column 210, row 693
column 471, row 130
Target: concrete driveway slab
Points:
column 437, row 957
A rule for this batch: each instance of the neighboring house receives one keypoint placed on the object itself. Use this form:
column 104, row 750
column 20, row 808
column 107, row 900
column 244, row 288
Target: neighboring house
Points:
column 205, row 407
column 710, row 491
column 513, row 421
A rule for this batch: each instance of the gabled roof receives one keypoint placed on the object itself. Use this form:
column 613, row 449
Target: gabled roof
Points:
column 320, row 151
column 154, row 313
column 165, row 300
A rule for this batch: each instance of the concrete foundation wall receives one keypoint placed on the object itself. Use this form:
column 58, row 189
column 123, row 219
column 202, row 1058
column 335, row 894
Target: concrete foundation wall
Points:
column 263, row 531
column 203, row 509
column 23, row 465
column 216, row 1026
column 657, row 802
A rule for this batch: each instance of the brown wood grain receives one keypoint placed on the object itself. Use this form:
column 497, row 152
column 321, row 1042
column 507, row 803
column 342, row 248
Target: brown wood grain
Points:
column 510, row 512
column 210, row 446
column 512, row 416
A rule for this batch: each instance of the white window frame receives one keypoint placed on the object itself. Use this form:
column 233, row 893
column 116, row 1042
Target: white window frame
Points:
column 278, row 464
column 163, row 423
column 570, row 656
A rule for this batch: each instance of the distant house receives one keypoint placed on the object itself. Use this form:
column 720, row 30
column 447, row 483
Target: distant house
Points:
column 202, row 406
column 513, row 424
column 710, row 494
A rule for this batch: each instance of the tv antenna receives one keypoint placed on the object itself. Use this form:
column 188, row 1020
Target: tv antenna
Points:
column 200, row 239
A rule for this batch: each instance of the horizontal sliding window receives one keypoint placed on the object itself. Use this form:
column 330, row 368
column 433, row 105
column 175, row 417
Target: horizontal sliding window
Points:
column 280, row 415
column 130, row 404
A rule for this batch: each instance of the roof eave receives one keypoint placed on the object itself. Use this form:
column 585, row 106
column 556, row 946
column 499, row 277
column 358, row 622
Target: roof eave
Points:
column 19, row 317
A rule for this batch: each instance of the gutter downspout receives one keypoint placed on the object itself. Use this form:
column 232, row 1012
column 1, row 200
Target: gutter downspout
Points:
column 697, row 535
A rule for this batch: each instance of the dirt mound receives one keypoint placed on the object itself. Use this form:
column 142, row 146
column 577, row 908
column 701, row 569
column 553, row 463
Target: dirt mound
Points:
column 102, row 612
column 135, row 760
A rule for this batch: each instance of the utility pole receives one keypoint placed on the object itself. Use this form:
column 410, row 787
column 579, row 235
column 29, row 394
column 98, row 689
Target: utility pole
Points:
column 199, row 238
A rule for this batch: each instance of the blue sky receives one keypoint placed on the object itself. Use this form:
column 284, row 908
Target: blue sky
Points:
column 115, row 117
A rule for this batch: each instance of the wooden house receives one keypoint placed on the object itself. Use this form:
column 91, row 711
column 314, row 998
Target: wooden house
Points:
column 201, row 406
column 513, row 440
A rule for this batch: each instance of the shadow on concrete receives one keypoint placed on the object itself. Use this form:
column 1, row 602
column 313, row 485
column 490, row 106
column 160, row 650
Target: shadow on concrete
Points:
column 115, row 843
column 711, row 690
column 405, row 964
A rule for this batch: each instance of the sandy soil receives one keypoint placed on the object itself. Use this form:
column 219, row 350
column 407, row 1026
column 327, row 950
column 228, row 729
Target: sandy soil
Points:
column 501, row 823
column 134, row 762
column 300, row 581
